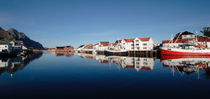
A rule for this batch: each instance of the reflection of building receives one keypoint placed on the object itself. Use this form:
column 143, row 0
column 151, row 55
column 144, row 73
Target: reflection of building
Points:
column 138, row 63
column 11, row 65
column 64, row 48
column 68, row 54
column 186, row 64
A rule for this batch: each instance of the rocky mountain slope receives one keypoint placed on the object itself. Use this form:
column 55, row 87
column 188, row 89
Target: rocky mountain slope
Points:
column 12, row 34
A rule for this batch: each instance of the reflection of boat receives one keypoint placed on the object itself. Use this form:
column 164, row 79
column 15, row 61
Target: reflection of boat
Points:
column 186, row 64
column 168, row 57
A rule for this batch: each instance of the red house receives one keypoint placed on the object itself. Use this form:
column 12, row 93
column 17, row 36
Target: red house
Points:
column 65, row 48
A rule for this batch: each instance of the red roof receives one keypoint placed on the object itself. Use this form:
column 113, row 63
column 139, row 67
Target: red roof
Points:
column 129, row 66
column 104, row 61
column 90, row 46
column 144, row 39
column 114, row 44
column 146, row 68
column 104, row 43
column 128, row 40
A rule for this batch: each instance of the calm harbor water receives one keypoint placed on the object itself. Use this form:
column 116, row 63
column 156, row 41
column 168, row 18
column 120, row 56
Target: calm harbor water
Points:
column 68, row 75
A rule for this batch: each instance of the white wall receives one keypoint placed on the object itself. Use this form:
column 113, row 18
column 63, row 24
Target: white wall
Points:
column 7, row 47
column 188, row 36
column 143, row 45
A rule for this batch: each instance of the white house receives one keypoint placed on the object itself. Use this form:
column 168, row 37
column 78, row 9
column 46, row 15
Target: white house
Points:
column 102, row 46
column 188, row 36
column 143, row 44
column 137, row 44
column 127, row 44
column 17, row 45
column 5, row 47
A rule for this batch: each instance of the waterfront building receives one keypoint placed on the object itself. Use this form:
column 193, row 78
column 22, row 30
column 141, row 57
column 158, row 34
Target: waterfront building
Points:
column 137, row 44
column 102, row 46
column 5, row 47
column 64, row 48
column 17, row 46
column 143, row 44
column 127, row 44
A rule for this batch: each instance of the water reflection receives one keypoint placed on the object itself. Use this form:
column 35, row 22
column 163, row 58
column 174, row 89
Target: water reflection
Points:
column 137, row 63
column 68, row 54
column 12, row 65
column 180, row 65
column 187, row 64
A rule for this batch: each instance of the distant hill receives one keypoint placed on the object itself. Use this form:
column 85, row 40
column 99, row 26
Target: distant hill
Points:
column 12, row 35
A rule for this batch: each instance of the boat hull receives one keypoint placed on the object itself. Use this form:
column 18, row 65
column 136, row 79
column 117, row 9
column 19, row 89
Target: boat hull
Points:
column 171, row 52
column 110, row 53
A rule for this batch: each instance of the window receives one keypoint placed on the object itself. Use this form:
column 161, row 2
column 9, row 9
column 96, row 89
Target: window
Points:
column 132, row 44
column 145, row 63
column 137, row 40
column 138, row 47
column 137, row 44
column 145, row 48
column 145, row 44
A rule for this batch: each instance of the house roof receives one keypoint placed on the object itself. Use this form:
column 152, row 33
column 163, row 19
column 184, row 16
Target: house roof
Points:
column 114, row 44
column 146, row 68
column 104, row 43
column 129, row 66
column 144, row 39
column 187, row 33
column 90, row 46
column 128, row 40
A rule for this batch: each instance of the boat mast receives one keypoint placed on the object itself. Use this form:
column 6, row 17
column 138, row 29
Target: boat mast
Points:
column 178, row 37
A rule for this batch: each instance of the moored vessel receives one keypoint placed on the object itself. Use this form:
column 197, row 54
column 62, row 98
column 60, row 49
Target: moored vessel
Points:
column 189, row 47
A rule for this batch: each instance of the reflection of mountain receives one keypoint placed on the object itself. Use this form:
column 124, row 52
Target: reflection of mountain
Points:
column 187, row 64
column 68, row 54
column 11, row 65
column 138, row 63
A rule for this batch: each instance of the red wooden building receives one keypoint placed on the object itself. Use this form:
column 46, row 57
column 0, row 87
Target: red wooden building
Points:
column 65, row 48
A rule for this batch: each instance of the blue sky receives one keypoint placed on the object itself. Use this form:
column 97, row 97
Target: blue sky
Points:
column 76, row 22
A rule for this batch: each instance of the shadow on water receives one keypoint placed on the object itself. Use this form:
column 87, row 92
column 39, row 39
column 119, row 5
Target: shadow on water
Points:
column 12, row 65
